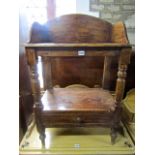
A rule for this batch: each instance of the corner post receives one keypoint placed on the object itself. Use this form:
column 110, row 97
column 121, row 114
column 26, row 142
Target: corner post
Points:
column 32, row 62
column 124, row 60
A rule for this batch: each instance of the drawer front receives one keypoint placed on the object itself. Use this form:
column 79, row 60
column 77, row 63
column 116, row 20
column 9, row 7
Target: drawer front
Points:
column 76, row 118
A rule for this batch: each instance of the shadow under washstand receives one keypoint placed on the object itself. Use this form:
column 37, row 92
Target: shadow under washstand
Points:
column 81, row 131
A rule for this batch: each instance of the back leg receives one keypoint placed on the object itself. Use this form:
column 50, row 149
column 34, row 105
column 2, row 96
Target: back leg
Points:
column 114, row 131
column 120, row 130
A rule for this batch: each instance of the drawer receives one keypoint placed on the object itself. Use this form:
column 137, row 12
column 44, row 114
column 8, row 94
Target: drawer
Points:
column 76, row 118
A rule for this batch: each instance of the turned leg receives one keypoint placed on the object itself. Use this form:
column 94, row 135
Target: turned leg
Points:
column 32, row 59
column 41, row 130
column 39, row 125
column 113, row 135
column 42, row 137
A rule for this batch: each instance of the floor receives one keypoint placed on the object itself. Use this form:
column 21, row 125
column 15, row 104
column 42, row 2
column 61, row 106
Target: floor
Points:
column 76, row 141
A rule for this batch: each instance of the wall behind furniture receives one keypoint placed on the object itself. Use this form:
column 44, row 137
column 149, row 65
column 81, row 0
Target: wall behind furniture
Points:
column 117, row 10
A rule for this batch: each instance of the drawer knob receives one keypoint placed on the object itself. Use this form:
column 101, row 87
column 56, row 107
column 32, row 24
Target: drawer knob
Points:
column 78, row 119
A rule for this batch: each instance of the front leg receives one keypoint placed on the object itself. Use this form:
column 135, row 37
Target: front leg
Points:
column 39, row 124
column 113, row 135
column 42, row 136
column 32, row 59
column 41, row 130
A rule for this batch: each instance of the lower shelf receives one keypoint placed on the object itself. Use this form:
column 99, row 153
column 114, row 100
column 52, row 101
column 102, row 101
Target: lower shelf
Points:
column 76, row 141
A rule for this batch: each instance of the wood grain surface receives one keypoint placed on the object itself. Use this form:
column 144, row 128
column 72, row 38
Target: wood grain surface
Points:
column 58, row 42
column 77, row 99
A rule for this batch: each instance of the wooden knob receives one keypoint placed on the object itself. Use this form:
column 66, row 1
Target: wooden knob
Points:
column 78, row 119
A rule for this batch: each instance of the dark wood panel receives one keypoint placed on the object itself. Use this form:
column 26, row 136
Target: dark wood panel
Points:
column 73, row 28
column 82, row 70
column 76, row 53
column 89, row 71
column 77, row 119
